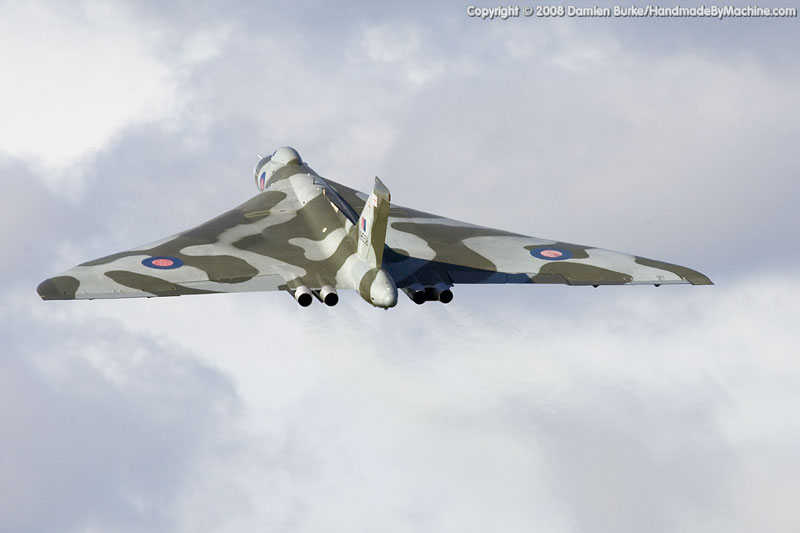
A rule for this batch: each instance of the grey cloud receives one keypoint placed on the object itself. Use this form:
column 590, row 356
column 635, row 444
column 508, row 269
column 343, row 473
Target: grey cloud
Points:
column 606, row 147
column 489, row 418
column 565, row 408
column 102, row 429
column 625, row 458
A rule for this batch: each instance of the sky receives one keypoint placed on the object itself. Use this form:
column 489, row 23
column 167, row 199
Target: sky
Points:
column 513, row 408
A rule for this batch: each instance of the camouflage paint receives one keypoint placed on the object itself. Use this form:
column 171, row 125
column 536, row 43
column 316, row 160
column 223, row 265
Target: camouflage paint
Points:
column 301, row 231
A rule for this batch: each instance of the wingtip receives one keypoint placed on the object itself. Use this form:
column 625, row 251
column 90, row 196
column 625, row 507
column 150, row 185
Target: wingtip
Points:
column 701, row 279
column 58, row 288
column 687, row 274
column 47, row 290
column 696, row 278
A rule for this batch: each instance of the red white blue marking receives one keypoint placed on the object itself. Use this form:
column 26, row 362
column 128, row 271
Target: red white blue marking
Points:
column 363, row 224
column 551, row 254
column 262, row 181
column 162, row 262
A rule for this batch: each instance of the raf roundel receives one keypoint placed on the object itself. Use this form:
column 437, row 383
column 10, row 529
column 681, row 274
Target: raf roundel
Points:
column 162, row 262
column 551, row 254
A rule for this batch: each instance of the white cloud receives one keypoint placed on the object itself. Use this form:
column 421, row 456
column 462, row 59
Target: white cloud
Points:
column 619, row 409
column 630, row 152
column 103, row 429
column 206, row 43
column 404, row 51
column 75, row 76
column 553, row 408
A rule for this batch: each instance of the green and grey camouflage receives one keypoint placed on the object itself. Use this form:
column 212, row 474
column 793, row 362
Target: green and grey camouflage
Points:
column 303, row 234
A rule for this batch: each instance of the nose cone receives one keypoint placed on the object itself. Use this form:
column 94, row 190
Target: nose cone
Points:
column 383, row 291
column 58, row 288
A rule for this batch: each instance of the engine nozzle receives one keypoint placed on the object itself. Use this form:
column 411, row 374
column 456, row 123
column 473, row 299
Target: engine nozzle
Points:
column 328, row 295
column 303, row 295
column 420, row 294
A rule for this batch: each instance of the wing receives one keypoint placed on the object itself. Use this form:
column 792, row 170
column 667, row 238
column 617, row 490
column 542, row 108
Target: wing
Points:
column 428, row 249
column 264, row 244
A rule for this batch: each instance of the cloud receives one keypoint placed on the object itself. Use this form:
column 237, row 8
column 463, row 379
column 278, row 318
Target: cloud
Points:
column 86, row 72
column 661, row 137
column 640, row 410
column 77, row 76
column 103, row 428
column 403, row 50
column 513, row 408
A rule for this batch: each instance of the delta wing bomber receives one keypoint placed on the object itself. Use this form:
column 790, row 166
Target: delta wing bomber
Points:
column 312, row 237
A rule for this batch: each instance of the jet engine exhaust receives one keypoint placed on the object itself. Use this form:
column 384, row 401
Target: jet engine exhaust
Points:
column 444, row 295
column 303, row 296
column 420, row 294
column 417, row 293
column 328, row 295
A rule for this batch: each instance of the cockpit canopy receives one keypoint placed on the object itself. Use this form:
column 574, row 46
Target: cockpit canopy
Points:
column 285, row 155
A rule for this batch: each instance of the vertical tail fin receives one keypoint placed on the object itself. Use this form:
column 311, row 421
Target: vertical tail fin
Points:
column 372, row 225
